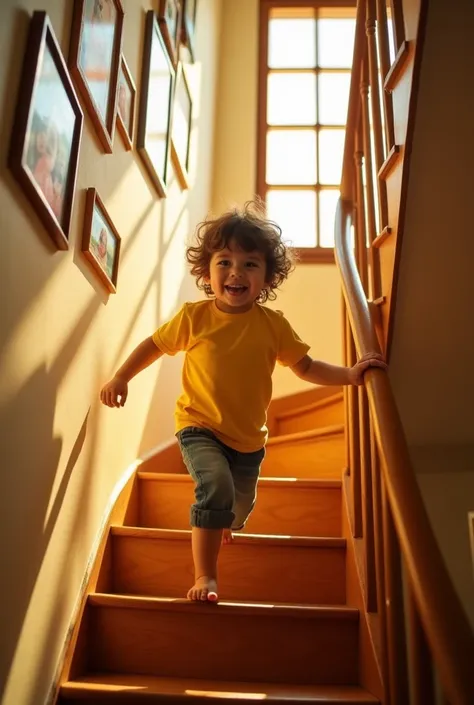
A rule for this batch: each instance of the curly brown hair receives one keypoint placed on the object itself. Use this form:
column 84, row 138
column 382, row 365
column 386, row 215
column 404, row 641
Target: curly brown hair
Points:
column 249, row 228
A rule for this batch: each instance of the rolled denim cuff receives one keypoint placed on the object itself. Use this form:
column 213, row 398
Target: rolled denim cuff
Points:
column 212, row 518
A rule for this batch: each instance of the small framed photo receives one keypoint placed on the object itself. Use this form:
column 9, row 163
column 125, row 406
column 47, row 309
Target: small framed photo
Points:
column 101, row 241
column 189, row 26
column 126, row 94
column 94, row 61
column 153, row 139
column 181, row 127
column 169, row 18
column 46, row 137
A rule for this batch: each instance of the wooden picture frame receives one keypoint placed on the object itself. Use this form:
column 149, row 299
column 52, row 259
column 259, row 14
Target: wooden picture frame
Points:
column 126, row 98
column 94, row 64
column 169, row 19
column 101, row 242
column 47, row 130
column 154, row 124
column 188, row 26
column 181, row 127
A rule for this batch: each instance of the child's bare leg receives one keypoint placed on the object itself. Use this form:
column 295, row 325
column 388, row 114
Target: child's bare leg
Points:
column 206, row 544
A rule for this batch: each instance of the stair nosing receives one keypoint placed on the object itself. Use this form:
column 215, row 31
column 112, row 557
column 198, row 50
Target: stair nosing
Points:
column 195, row 689
column 260, row 609
column 239, row 539
column 314, row 433
column 301, row 483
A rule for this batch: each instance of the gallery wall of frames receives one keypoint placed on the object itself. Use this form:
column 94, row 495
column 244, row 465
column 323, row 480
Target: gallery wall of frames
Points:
column 95, row 77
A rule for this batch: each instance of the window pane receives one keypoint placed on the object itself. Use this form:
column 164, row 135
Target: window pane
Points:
column 331, row 151
column 292, row 43
column 291, row 157
column 291, row 99
column 335, row 43
column 327, row 214
column 333, row 92
column 295, row 213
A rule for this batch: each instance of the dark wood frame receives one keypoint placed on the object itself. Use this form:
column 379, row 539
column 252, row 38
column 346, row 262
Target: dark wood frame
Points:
column 172, row 42
column 182, row 165
column 126, row 133
column 41, row 34
column 93, row 200
column 188, row 28
column 310, row 255
column 152, row 28
column 104, row 129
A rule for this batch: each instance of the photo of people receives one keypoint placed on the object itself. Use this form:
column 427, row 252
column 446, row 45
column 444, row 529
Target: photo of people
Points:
column 103, row 244
column 124, row 100
column 97, row 48
column 49, row 135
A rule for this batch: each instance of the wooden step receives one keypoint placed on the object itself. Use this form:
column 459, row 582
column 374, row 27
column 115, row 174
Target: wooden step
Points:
column 232, row 641
column 289, row 507
column 319, row 453
column 134, row 690
column 159, row 562
column 324, row 412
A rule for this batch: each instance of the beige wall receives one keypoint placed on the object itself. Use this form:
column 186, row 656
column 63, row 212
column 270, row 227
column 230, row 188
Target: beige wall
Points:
column 62, row 336
column 433, row 343
column 311, row 297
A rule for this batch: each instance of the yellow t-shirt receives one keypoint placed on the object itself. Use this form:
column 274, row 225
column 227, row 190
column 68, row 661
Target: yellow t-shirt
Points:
column 227, row 372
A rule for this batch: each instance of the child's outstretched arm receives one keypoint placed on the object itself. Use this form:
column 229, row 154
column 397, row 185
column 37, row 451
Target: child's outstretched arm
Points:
column 322, row 373
column 143, row 356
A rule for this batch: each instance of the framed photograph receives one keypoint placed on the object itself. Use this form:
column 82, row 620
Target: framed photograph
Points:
column 181, row 127
column 189, row 25
column 47, row 129
column 126, row 94
column 94, row 61
column 101, row 241
column 153, row 140
column 169, row 18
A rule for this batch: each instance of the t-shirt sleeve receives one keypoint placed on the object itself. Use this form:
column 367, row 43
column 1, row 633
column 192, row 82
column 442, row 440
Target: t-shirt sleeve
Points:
column 291, row 348
column 174, row 336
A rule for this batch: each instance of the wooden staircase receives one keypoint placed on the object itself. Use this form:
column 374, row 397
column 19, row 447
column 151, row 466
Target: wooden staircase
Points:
column 283, row 630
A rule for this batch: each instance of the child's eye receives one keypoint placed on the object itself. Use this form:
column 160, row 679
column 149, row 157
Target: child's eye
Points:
column 223, row 263
column 252, row 264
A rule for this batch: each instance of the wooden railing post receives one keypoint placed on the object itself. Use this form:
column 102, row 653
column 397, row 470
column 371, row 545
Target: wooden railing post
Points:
column 354, row 441
column 382, row 34
column 367, row 503
column 361, row 227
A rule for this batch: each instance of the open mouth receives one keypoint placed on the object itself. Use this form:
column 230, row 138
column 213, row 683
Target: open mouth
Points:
column 236, row 290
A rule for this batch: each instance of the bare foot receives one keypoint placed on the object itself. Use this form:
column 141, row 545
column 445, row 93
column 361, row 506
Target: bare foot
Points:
column 227, row 536
column 204, row 589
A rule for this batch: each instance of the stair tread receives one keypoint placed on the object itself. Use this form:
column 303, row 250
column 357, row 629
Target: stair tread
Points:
column 335, row 612
column 301, row 483
column 146, row 686
column 312, row 406
column 250, row 539
column 320, row 432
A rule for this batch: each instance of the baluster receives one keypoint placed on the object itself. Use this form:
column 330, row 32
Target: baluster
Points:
column 376, row 112
column 379, row 562
column 361, row 228
column 369, row 180
column 345, row 389
column 421, row 665
column 382, row 33
column 367, row 502
column 397, row 663
column 354, row 446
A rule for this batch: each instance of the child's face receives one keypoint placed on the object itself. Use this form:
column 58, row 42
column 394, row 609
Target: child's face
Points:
column 236, row 278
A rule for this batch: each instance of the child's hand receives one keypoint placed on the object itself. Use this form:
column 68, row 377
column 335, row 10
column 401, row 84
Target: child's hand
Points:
column 356, row 373
column 110, row 393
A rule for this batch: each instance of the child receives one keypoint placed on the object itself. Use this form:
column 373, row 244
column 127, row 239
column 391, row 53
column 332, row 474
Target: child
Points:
column 232, row 343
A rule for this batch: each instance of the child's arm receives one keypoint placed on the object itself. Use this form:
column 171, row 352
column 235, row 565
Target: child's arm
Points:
column 143, row 356
column 322, row 373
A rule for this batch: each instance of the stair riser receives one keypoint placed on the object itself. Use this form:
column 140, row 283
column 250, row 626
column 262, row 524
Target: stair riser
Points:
column 316, row 458
column 249, row 572
column 235, row 646
column 290, row 511
column 330, row 415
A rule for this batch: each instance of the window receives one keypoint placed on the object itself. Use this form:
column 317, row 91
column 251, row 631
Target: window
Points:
column 304, row 78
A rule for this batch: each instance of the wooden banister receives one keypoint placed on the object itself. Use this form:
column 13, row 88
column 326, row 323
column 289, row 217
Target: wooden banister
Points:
column 443, row 620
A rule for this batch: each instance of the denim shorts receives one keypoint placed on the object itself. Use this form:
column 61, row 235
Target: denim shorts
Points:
column 226, row 480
